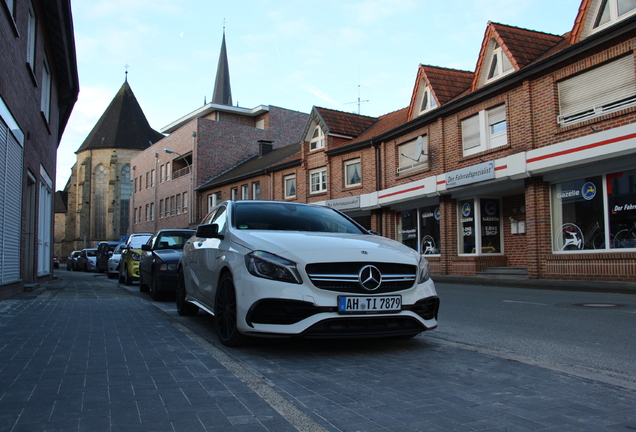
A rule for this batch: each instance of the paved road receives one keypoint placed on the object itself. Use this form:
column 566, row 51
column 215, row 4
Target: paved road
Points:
column 84, row 353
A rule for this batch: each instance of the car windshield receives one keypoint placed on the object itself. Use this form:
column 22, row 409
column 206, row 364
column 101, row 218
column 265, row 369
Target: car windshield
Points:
column 117, row 250
column 91, row 252
column 291, row 217
column 137, row 241
column 173, row 240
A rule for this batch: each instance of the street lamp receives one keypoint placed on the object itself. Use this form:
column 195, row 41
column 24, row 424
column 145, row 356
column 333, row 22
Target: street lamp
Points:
column 170, row 151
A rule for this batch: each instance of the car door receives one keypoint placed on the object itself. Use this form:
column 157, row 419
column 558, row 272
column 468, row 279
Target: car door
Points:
column 145, row 263
column 204, row 261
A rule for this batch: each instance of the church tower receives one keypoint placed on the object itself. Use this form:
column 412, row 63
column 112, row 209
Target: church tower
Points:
column 100, row 187
column 222, row 90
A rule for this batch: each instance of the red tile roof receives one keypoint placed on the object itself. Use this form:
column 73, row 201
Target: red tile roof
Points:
column 343, row 123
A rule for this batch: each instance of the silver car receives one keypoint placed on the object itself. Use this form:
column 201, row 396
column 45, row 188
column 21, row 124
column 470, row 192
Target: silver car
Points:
column 112, row 270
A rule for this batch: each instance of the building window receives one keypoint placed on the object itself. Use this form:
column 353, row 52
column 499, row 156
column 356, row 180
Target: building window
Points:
column 256, row 190
column 186, row 203
column 352, row 173
column 168, row 171
column 162, row 173
column 485, row 130
column 167, row 211
column 178, row 203
column 173, row 206
column 99, row 206
column 45, row 105
column 611, row 11
column 318, row 180
column 214, row 200
column 161, row 209
column 31, row 30
column 152, row 211
column 413, row 155
column 499, row 63
column 479, row 226
column 124, row 200
column 317, row 139
column 427, row 100
column 245, row 192
column 152, row 178
column 290, row 186
column 147, row 212
column 599, row 91
column 234, row 194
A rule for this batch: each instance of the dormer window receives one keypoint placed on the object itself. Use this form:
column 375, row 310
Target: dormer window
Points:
column 611, row 11
column 499, row 64
column 317, row 139
column 428, row 101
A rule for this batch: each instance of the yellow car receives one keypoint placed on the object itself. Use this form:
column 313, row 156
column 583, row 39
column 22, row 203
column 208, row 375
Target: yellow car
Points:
column 130, row 256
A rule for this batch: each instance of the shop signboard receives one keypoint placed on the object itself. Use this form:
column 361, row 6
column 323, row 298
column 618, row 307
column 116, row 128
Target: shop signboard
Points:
column 347, row 203
column 472, row 174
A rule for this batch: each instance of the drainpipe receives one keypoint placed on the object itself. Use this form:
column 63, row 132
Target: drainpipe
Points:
column 378, row 179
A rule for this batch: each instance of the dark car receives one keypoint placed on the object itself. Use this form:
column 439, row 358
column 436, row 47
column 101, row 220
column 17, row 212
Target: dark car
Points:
column 159, row 261
column 104, row 252
column 72, row 260
column 87, row 260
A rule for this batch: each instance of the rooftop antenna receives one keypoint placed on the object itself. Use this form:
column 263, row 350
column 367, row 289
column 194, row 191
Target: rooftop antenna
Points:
column 358, row 101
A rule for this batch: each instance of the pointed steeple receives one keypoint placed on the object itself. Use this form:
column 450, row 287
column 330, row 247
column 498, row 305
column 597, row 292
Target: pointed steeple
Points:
column 122, row 125
column 222, row 90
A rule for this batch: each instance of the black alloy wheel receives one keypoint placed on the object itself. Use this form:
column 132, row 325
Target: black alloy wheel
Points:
column 184, row 308
column 154, row 292
column 225, row 313
column 143, row 287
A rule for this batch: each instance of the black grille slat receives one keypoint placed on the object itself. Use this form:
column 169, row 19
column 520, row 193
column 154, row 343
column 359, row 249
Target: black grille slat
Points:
column 343, row 277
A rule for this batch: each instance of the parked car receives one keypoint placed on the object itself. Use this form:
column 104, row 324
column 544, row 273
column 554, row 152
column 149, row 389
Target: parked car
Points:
column 56, row 262
column 130, row 255
column 71, row 261
column 104, row 251
column 87, row 261
column 265, row 268
column 159, row 261
column 113, row 262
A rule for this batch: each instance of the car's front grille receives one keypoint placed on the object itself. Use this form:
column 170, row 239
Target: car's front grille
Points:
column 345, row 277
column 426, row 308
column 285, row 312
column 361, row 327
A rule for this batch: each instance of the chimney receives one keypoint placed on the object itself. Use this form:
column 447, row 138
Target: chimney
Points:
column 264, row 147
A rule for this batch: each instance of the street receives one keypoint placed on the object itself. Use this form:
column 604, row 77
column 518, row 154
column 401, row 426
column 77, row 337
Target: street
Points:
column 502, row 359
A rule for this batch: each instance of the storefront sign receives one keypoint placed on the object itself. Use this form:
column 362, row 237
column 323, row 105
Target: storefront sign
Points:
column 344, row 203
column 473, row 174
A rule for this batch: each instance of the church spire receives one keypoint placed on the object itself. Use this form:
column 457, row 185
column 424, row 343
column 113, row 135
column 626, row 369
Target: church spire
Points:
column 222, row 91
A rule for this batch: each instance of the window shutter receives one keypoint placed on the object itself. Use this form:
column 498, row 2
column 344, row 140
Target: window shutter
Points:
column 496, row 115
column 470, row 132
column 11, row 205
column 604, row 85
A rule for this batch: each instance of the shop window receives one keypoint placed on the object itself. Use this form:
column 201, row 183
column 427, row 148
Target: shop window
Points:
column 409, row 231
column 407, row 228
column 485, row 130
column 290, row 186
column 352, row 173
column 595, row 213
column 480, row 226
column 318, row 180
column 597, row 92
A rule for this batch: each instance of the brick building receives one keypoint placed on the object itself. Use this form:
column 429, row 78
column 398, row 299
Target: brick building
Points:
column 38, row 89
column 525, row 165
column 200, row 146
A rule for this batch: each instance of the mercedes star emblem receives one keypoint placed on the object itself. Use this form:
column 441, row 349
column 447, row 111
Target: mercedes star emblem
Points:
column 370, row 278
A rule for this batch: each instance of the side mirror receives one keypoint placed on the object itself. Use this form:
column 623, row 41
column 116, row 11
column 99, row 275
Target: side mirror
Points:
column 209, row 231
column 146, row 247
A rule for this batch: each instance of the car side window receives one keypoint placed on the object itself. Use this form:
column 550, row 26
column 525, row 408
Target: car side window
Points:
column 220, row 218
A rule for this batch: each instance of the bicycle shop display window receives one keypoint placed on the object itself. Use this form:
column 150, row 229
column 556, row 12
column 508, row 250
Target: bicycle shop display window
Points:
column 408, row 231
column 480, row 226
column 586, row 212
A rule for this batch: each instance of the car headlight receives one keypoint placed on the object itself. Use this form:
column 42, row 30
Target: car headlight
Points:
column 269, row 266
column 168, row 267
column 135, row 256
column 424, row 270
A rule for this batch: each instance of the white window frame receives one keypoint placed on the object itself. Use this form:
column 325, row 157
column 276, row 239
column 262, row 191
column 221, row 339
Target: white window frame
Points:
column 245, row 192
column 613, row 17
column 234, row 194
column 318, row 180
column 317, row 141
column 178, row 203
column 503, row 65
column 256, row 190
column 186, row 202
column 426, row 95
column 286, row 179
column 349, row 163
column 480, row 132
column 45, row 105
column 608, row 88
column 406, row 160
column 214, row 199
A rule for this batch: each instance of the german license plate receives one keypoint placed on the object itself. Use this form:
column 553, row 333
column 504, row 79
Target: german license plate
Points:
column 377, row 304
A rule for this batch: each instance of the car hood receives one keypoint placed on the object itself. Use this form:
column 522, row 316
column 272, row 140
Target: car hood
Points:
column 326, row 247
column 169, row 255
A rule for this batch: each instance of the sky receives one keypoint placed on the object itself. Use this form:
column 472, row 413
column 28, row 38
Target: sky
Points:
column 293, row 54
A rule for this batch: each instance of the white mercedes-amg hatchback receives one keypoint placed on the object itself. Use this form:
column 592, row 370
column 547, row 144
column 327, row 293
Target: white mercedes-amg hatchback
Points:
column 279, row 269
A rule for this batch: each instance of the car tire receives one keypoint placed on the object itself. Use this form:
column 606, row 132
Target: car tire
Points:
column 121, row 277
column 184, row 308
column 142, row 285
column 154, row 292
column 225, row 313
column 127, row 278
